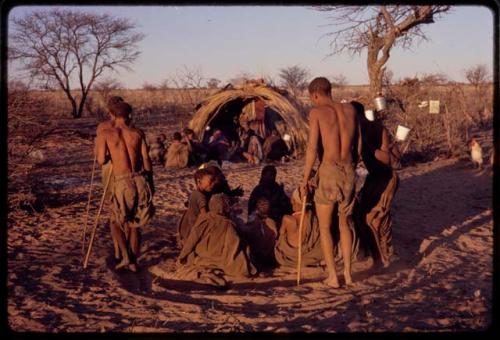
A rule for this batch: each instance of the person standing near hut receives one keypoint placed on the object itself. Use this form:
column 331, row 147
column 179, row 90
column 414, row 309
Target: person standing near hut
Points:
column 333, row 126
column 373, row 214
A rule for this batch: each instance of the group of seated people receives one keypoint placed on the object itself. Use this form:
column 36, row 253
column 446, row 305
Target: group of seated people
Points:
column 216, row 243
column 185, row 150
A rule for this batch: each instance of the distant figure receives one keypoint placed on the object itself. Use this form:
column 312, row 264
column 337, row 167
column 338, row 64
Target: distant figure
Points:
column 274, row 192
column 133, row 189
column 476, row 153
column 197, row 203
column 197, row 150
column 373, row 214
column 274, row 147
column 213, row 243
column 218, row 145
column 333, row 128
column 260, row 233
column 177, row 153
column 157, row 149
column 252, row 148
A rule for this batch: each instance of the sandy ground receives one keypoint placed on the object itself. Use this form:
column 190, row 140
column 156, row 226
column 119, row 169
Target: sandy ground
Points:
column 440, row 281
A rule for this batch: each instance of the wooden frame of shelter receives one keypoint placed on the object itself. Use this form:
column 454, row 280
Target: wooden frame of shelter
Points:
column 230, row 101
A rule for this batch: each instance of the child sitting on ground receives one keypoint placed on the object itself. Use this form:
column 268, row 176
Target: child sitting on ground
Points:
column 157, row 149
column 197, row 203
column 260, row 233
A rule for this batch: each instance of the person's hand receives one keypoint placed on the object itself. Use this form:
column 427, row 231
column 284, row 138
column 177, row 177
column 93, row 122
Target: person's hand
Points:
column 303, row 188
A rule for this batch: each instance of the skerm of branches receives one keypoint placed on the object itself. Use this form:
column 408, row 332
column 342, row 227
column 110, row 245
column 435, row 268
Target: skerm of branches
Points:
column 377, row 29
column 64, row 47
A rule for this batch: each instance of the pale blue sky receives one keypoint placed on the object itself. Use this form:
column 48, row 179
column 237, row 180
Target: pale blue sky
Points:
column 225, row 41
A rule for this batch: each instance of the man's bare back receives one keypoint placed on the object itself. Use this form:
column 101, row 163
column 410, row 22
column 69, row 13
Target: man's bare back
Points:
column 126, row 146
column 337, row 128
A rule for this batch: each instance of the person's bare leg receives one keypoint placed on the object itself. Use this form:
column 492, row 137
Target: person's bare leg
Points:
column 346, row 244
column 324, row 212
column 115, row 241
column 120, row 237
column 134, row 248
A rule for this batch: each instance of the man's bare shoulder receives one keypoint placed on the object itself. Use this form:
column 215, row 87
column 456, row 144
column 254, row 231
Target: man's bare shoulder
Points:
column 104, row 125
column 138, row 132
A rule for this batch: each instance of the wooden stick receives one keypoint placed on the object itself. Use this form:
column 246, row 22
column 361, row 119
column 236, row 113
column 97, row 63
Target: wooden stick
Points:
column 85, row 262
column 88, row 206
column 301, row 226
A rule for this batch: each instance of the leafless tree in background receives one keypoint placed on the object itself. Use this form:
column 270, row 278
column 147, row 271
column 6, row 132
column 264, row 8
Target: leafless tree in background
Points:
column 377, row 29
column 479, row 77
column 213, row 83
column 295, row 78
column 106, row 86
column 65, row 46
column 338, row 80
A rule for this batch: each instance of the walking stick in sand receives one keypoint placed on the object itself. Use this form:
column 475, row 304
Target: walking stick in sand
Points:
column 301, row 226
column 85, row 262
column 88, row 206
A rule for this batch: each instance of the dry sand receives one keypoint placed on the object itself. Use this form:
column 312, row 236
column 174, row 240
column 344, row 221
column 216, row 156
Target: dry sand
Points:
column 441, row 280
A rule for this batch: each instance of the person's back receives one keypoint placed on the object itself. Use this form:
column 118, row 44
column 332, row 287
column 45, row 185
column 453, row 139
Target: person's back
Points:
column 337, row 125
column 124, row 145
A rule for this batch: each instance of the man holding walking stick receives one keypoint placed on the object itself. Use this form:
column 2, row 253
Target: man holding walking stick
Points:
column 132, row 190
column 333, row 128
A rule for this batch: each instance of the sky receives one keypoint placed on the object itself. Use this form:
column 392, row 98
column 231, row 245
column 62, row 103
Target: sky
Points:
column 226, row 41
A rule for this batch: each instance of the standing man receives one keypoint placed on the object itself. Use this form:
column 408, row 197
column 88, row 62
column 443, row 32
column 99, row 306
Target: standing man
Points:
column 333, row 128
column 132, row 191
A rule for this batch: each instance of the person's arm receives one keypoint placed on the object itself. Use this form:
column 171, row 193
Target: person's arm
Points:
column 382, row 154
column 100, row 148
column 312, row 147
column 146, row 164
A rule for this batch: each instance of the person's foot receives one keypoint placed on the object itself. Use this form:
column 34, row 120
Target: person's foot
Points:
column 124, row 263
column 332, row 282
column 348, row 279
column 132, row 267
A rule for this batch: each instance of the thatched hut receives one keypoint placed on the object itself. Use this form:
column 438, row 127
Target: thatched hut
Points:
column 223, row 109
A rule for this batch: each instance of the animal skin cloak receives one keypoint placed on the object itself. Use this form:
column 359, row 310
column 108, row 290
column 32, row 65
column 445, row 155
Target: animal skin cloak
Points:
column 214, row 243
column 312, row 254
column 373, row 214
column 177, row 155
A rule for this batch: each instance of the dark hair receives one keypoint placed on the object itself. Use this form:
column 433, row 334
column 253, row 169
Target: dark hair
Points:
column 200, row 173
column 213, row 170
column 188, row 131
column 112, row 101
column 320, row 85
column 177, row 136
column 268, row 170
column 122, row 110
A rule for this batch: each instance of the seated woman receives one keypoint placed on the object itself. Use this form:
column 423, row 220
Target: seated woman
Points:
column 286, row 249
column 177, row 153
column 197, row 151
column 274, row 147
column 214, row 244
column 219, row 145
column 274, row 192
column 252, row 147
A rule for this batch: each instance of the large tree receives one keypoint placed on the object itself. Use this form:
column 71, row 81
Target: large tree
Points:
column 71, row 49
column 377, row 29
